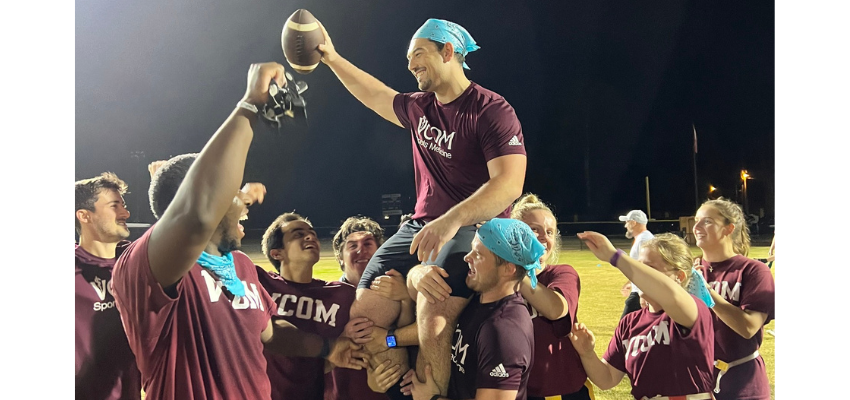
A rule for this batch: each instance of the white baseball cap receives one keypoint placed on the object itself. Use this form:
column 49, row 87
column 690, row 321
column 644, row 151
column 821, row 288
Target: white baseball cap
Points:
column 634, row 215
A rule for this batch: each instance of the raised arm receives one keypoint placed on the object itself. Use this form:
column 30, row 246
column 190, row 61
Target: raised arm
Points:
column 373, row 93
column 673, row 298
column 210, row 186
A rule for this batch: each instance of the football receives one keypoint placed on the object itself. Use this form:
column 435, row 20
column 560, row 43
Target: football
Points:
column 300, row 39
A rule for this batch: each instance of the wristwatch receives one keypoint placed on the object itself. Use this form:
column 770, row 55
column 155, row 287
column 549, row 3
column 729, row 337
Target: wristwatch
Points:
column 391, row 338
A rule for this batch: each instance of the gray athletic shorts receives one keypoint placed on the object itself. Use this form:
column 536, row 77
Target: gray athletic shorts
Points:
column 395, row 254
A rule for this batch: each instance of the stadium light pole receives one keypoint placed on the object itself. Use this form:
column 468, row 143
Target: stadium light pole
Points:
column 744, row 177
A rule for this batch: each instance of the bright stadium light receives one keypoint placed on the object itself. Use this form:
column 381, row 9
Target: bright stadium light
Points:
column 744, row 177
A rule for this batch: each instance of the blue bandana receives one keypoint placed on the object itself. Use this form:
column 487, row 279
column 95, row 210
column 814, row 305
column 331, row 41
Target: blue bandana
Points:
column 515, row 242
column 223, row 268
column 440, row 30
column 697, row 287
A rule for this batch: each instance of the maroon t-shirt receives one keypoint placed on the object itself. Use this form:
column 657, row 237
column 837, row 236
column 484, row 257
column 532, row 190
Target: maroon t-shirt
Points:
column 453, row 142
column 492, row 348
column 346, row 383
column 554, row 355
column 748, row 284
column 317, row 307
column 200, row 344
column 105, row 367
column 661, row 357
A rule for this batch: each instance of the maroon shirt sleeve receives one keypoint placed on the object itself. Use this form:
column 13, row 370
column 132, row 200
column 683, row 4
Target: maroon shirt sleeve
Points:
column 760, row 293
column 400, row 102
column 565, row 281
column 615, row 355
column 499, row 130
column 143, row 304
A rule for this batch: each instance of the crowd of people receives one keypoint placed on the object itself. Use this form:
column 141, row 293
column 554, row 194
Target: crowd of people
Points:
column 467, row 300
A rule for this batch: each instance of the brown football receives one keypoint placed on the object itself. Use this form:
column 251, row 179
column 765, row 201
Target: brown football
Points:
column 300, row 39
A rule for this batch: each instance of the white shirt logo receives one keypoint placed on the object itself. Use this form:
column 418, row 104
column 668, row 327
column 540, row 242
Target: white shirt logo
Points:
column 499, row 371
column 514, row 142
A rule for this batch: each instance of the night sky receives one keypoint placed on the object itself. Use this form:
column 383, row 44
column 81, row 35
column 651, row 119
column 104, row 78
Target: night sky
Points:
column 607, row 93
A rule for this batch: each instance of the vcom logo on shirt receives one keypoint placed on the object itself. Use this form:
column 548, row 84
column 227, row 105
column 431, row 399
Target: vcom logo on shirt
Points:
column 251, row 299
column 433, row 138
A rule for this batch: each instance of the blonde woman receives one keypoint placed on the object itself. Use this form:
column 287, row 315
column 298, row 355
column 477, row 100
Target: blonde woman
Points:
column 666, row 348
column 743, row 290
column 557, row 372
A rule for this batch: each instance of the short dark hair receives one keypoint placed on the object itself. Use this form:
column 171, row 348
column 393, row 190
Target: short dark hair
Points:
column 273, row 237
column 460, row 57
column 356, row 224
column 86, row 192
column 167, row 180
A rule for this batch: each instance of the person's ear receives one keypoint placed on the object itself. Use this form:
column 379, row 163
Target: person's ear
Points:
column 728, row 229
column 448, row 52
column 84, row 216
column 680, row 276
column 511, row 269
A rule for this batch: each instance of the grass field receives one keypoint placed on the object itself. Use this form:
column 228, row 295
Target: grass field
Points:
column 600, row 303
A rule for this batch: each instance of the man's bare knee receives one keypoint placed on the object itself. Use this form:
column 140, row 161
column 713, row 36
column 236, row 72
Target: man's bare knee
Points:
column 438, row 318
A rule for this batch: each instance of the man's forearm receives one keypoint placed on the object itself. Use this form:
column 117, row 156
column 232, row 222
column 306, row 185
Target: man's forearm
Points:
column 373, row 93
column 287, row 340
column 408, row 335
column 487, row 202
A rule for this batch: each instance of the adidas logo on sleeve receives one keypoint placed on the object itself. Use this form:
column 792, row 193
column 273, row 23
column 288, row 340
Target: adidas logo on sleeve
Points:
column 499, row 372
column 514, row 142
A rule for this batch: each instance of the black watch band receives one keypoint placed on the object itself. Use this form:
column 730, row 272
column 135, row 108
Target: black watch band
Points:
column 326, row 348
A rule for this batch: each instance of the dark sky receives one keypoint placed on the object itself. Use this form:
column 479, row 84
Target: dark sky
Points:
column 606, row 91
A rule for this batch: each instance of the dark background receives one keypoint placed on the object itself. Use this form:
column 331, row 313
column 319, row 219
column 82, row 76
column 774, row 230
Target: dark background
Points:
column 607, row 93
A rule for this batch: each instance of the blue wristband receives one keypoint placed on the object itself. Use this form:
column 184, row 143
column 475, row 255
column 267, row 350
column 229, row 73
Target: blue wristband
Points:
column 616, row 257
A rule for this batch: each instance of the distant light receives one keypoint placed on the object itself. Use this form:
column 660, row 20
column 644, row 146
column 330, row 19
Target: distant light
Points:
column 386, row 217
column 711, row 188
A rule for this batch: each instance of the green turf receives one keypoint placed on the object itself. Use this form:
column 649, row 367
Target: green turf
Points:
column 600, row 304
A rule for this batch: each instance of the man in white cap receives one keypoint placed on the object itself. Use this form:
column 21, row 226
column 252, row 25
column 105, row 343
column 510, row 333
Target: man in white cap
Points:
column 469, row 163
column 635, row 229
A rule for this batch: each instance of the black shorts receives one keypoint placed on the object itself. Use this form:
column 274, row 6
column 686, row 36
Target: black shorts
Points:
column 395, row 254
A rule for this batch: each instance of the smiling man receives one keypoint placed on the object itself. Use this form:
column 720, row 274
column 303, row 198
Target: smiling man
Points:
column 191, row 304
column 312, row 305
column 469, row 163
column 105, row 367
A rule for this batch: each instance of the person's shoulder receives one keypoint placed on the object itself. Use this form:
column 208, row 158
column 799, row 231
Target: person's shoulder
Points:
column 750, row 265
column 490, row 101
column 340, row 285
column 484, row 93
column 242, row 257
column 560, row 269
column 512, row 309
column 418, row 96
